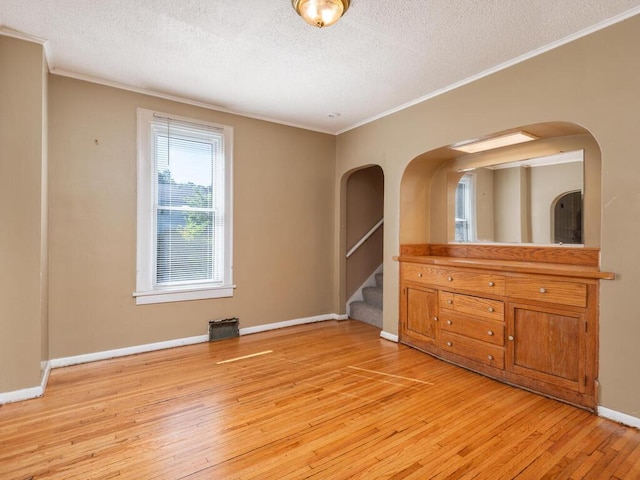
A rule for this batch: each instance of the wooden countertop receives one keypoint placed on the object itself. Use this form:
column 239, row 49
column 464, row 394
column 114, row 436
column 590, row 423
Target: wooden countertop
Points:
column 555, row 269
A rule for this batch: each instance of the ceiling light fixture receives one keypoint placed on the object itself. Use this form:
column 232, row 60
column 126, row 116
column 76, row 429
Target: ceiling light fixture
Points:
column 495, row 142
column 320, row 13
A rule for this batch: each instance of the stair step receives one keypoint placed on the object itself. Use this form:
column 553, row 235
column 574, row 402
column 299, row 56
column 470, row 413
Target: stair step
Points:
column 379, row 277
column 366, row 313
column 373, row 296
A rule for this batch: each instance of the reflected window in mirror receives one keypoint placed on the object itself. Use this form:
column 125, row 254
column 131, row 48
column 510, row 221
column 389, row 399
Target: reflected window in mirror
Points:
column 465, row 208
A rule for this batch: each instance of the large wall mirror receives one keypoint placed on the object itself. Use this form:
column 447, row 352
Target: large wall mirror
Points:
column 536, row 200
column 541, row 192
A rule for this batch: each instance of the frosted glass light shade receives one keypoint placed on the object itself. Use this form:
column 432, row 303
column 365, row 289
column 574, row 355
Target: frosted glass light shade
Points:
column 495, row 142
column 320, row 13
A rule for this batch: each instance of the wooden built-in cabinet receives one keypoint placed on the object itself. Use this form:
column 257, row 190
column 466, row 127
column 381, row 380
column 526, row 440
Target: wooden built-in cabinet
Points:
column 530, row 322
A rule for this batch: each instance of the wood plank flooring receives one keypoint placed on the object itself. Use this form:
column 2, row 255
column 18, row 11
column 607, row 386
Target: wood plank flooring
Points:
column 324, row 401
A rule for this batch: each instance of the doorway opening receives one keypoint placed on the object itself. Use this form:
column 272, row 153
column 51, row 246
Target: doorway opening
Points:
column 567, row 218
column 364, row 232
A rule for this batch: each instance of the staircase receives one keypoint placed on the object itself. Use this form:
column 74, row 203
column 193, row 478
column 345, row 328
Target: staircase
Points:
column 370, row 309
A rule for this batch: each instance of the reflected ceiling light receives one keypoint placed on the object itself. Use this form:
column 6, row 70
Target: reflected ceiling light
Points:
column 495, row 142
column 320, row 13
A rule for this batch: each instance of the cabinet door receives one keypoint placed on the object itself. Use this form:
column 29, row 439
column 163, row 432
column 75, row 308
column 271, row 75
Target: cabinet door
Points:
column 422, row 311
column 548, row 346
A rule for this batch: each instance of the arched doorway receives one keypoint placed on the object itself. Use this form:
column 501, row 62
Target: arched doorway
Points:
column 567, row 218
column 364, row 233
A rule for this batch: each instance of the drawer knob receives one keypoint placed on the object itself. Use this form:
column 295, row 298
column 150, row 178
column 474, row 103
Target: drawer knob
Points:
column 449, row 279
column 450, row 302
column 490, row 309
column 511, row 338
column 420, row 275
column 449, row 322
column 543, row 290
column 491, row 284
column 435, row 319
column 490, row 357
column 449, row 344
column 490, row 333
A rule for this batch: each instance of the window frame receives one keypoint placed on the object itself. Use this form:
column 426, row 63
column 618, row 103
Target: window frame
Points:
column 468, row 221
column 147, row 291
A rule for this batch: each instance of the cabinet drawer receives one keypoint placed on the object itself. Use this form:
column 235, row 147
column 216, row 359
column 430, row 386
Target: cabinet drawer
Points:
column 472, row 349
column 446, row 300
column 565, row 293
column 477, row 282
column 474, row 306
column 420, row 274
column 484, row 330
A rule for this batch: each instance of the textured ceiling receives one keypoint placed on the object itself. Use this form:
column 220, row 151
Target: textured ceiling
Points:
column 261, row 59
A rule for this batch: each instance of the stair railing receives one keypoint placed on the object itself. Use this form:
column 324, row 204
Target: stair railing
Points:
column 365, row 237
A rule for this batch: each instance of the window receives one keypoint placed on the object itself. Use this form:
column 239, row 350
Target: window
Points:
column 184, row 209
column 465, row 228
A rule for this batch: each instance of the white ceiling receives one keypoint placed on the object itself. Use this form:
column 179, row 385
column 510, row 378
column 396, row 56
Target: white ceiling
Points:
column 259, row 58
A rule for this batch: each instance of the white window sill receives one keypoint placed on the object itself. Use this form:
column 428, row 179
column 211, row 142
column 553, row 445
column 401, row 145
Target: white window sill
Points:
column 182, row 295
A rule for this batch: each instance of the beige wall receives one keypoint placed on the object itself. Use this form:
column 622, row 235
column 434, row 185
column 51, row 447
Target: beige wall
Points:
column 592, row 82
column 484, row 202
column 23, row 211
column 511, row 218
column 365, row 204
column 283, row 223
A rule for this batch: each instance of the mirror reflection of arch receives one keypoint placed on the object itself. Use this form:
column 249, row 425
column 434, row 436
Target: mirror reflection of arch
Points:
column 566, row 218
column 428, row 186
column 519, row 202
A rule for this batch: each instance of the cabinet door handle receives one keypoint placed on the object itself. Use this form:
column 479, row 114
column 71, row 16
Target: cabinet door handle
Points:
column 490, row 309
column 450, row 302
column 491, row 284
column 449, row 279
column 449, row 344
column 420, row 275
column 543, row 290
column 435, row 319
column 449, row 322
column 511, row 338
column 490, row 357
column 490, row 333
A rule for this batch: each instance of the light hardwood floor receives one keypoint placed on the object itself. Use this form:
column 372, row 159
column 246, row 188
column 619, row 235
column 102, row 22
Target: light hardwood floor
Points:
column 330, row 401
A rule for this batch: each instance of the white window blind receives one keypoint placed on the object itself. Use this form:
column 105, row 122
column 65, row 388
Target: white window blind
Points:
column 188, row 204
column 188, row 224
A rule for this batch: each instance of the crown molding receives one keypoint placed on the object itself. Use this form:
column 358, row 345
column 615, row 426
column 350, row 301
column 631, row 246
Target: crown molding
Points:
column 46, row 46
column 522, row 58
column 178, row 99
column 9, row 32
